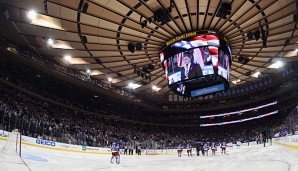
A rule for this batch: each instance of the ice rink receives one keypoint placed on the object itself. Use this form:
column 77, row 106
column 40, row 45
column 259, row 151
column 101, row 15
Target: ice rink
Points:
column 252, row 158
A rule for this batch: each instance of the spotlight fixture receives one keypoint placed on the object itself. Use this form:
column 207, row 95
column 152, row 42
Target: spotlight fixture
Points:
column 139, row 46
column 45, row 6
column 264, row 43
column 248, row 73
column 119, row 74
column 224, row 10
column 250, row 35
column 144, row 24
column 264, row 36
column 88, row 71
column 295, row 17
column 85, row 8
column 138, row 73
column 150, row 67
column 131, row 47
column 160, row 16
column 287, row 41
column 144, row 72
column 145, row 69
column 134, row 46
column 243, row 60
column 84, row 39
column 257, row 34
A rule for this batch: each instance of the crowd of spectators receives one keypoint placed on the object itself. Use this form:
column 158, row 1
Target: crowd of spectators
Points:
column 40, row 119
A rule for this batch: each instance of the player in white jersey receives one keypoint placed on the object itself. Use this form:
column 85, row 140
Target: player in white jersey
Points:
column 189, row 149
column 238, row 143
column 223, row 146
column 230, row 145
column 213, row 148
column 115, row 152
column 179, row 150
column 206, row 148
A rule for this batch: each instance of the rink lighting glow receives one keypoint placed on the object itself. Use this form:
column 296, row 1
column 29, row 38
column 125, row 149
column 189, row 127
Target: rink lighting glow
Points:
column 50, row 42
column 240, row 111
column 240, row 120
column 276, row 65
column 32, row 15
column 236, row 81
column 256, row 75
column 133, row 86
column 154, row 87
column 67, row 58
column 279, row 64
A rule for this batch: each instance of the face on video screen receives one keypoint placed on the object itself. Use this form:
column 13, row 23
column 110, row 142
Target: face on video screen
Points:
column 190, row 64
column 223, row 65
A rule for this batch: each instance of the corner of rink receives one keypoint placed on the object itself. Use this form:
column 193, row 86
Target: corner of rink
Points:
column 287, row 141
column 10, row 161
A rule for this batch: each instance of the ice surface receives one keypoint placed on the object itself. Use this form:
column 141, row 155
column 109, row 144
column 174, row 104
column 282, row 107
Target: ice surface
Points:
column 252, row 158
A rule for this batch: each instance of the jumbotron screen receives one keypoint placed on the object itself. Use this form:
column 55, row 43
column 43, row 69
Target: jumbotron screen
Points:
column 197, row 63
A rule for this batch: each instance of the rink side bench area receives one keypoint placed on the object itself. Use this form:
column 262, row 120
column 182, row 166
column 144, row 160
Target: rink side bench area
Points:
column 45, row 144
column 288, row 141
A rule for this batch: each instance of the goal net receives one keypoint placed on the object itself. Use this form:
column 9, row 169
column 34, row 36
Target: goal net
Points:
column 12, row 146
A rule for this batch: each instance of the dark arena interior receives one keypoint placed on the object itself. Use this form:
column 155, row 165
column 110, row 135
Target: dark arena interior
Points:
column 165, row 84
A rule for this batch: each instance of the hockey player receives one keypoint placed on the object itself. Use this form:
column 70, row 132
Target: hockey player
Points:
column 189, row 149
column 238, row 143
column 206, row 148
column 130, row 149
column 139, row 149
column 230, row 145
column 223, row 147
column 115, row 153
column 199, row 148
column 179, row 150
column 125, row 149
column 213, row 148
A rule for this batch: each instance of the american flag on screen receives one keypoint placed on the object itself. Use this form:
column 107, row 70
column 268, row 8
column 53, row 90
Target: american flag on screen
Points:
column 161, row 57
column 166, row 72
column 214, row 55
column 212, row 40
column 198, row 41
column 165, row 64
column 179, row 59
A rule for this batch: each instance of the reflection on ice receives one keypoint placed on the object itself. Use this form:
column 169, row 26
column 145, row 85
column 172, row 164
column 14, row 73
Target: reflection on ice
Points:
column 253, row 158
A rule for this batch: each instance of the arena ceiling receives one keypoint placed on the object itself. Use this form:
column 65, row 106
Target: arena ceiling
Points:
column 96, row 35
